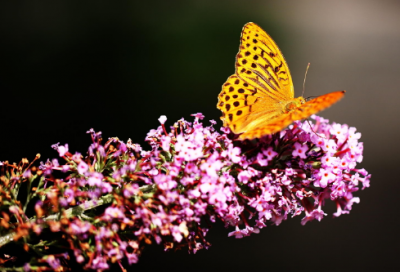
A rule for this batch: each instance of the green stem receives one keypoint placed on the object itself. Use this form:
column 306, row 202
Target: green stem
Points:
column 75, row 211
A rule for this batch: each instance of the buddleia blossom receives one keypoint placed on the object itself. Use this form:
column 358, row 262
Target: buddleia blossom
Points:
column 191, row 176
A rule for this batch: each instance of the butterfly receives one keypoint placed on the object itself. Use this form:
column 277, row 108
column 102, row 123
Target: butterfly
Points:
column 259, row 98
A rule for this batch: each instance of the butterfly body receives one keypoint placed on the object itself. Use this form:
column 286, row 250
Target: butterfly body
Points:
column 259, row 98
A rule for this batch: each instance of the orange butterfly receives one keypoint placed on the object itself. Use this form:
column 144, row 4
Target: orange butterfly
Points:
column 259, row 98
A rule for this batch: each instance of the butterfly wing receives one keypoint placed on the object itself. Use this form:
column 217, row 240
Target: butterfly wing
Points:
column 304, row 111
column 254, row 95
column 261, row 64
column 243, row 106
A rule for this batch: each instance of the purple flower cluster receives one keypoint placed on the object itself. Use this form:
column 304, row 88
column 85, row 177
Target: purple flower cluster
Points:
column 265, row 180
column 191, row 177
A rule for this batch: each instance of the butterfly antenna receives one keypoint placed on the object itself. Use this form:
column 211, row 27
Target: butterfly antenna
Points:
column 304, row 82
column 309, row 123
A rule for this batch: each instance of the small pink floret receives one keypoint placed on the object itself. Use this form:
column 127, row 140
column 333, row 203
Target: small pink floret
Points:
column 162, row 119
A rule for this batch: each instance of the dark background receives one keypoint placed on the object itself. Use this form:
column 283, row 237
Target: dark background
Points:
column 69, row 66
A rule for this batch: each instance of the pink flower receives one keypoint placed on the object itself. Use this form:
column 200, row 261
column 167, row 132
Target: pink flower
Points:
column 270, row 153
column 353, row 135
column 328, row 160
column 207, row 184
column 198, row 115
column 53, row 262
column 69, row 194
column 100, row 263
column 244, row 176
column 82, row 168
column 162, row 119
column 131, row 190
column 211, row 167
column 329, row 146
column 317, row 140
column 164, row 182
column 315, row 214
column 165, row 142
column 79, row 227
column 340, row 131
column 300, row 150
column 113, row 212
column 262, row 160
column 234, row 154
column 95, row 179
column 132, row 258
column 326, row 176
column 62, row 150
column 238, row 233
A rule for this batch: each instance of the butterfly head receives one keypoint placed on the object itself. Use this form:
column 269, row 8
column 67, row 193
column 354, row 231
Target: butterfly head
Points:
column 293, row 104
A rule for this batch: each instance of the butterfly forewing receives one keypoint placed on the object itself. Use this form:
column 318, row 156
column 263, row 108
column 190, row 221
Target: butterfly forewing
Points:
column 261, row 64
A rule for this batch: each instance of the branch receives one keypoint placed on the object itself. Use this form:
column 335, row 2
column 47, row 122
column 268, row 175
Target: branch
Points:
column 78, row 210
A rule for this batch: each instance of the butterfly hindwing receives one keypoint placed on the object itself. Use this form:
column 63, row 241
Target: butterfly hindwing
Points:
column 315, row 105
column 304, row 111
column 266, row 128
column 243, row 105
